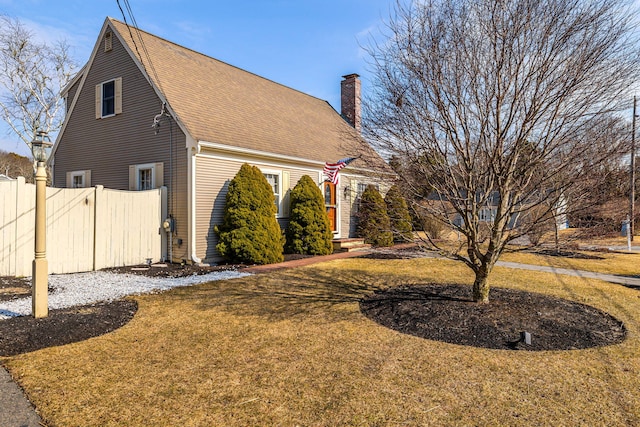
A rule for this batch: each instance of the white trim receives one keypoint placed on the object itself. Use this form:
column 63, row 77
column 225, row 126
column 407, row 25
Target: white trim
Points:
column 192, row 156
column 261, row 162
column 338, row 222
column 257, row 153
column 117, row 98
column 145, row 166
column 80, row 174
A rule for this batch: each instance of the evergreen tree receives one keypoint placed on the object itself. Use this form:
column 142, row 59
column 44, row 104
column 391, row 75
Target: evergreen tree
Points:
column 398, row 215
column 309, row 230
column 373, row 220
column 249, row 232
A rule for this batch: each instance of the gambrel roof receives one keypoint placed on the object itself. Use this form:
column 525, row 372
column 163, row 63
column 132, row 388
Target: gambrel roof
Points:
column 223, row 105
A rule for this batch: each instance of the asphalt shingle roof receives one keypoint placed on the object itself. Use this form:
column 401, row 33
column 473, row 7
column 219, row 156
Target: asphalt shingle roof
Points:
column 223, row 104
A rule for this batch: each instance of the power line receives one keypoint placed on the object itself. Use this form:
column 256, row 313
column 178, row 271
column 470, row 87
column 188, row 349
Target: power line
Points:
column 147, row 57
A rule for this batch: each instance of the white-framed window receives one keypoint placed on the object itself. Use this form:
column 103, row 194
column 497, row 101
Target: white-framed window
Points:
column 275, row 181
column 79, row 179
column 146, row 176
column 109, row 98
column 279, row 180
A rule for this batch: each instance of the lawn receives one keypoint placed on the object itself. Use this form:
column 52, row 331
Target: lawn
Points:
column 291, row 348
column 621, row 263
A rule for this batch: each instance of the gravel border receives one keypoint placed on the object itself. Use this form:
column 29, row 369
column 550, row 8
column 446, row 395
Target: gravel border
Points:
column 68, row 290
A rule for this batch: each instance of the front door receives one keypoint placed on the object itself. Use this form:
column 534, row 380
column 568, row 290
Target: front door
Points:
column 330, row 204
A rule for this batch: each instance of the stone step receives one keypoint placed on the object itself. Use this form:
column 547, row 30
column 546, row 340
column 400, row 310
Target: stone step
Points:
column 350, row 245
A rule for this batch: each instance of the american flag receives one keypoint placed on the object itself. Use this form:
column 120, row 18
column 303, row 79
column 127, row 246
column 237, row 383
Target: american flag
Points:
column 331, row 170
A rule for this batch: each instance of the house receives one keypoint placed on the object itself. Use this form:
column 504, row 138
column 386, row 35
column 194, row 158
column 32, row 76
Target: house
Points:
column 145, row 112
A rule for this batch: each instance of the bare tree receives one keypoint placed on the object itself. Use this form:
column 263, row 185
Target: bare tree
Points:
column 32, row 75
column 490, row 104
column 13, row 165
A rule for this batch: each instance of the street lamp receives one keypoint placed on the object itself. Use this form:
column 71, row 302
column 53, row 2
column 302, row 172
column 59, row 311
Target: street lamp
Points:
column 40, row 147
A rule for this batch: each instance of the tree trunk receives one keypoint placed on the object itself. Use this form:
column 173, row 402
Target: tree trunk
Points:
column 557, row 235
column 481, row 286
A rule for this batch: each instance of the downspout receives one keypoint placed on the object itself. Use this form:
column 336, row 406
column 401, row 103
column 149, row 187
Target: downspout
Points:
column 192, row 151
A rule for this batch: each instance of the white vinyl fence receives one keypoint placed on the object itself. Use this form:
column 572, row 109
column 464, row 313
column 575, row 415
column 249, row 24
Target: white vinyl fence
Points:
column 87, row 228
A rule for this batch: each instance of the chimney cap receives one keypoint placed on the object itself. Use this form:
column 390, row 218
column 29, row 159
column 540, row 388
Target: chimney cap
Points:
column 351, row 76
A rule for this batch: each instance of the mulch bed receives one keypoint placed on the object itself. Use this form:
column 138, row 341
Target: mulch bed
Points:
column 447, row 313
column 564, row 253
column 64, row 326
column 437, row 312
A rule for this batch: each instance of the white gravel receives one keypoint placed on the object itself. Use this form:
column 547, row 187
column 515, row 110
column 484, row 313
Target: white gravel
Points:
column 68, row 290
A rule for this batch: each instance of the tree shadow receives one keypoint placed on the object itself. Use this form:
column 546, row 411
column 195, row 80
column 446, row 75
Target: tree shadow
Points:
column 287, row 294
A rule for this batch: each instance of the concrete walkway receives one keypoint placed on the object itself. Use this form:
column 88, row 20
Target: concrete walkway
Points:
column 17, row 411
column 632, row 282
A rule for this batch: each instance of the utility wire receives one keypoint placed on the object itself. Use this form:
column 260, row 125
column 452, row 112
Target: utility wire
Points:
column 147, row 57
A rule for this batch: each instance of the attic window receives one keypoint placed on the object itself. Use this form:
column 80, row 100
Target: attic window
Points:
column 109, row 98
column 108, row 41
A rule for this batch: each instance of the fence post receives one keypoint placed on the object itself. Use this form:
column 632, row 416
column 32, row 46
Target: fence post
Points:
column 97, row 235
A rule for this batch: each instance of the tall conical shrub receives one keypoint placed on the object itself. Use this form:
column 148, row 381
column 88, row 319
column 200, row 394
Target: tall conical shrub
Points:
column 399, row 215
column 249, row 232
column 373, row 221
column 309, row 230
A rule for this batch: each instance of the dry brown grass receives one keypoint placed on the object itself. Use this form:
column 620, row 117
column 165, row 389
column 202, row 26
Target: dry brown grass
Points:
column 626, row 264
column 291, row 348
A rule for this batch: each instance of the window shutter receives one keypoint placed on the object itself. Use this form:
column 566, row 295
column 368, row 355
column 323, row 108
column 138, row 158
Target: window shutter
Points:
column 69, row 180
column 159, row 175
column 285, row 191
column 133, row 181
column 87, row 179
column 118, row 95
column 98, row 101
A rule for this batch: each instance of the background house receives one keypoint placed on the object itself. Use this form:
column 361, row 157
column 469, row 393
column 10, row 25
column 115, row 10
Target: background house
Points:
column 145, row 112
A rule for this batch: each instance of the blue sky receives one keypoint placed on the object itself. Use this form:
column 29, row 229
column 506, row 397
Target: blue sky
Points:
column 304, row 44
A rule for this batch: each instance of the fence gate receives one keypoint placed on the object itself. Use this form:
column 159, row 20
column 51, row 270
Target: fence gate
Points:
column 87, row 228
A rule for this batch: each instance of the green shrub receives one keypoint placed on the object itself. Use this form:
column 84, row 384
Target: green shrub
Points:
column 249, row 232
column 399, row 216
column 309, row 230
column 373, row 221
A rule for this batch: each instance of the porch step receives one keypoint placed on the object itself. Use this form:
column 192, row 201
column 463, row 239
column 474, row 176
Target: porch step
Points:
column 350, row 245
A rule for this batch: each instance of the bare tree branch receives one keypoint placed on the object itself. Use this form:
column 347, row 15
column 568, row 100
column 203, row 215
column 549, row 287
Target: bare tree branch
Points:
column 32, row 75
column 493, row 105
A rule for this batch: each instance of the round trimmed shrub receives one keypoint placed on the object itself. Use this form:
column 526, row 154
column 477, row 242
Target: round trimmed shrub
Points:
column 399, row 216
column 309, row 230
column 250, row 232
column 373, row 221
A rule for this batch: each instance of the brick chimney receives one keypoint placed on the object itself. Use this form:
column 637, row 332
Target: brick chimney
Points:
column 350, row 100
